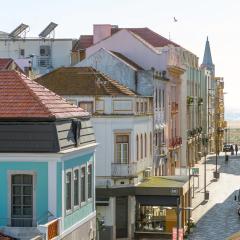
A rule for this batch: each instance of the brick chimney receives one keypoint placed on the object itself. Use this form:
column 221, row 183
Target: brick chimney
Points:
column 101, row 31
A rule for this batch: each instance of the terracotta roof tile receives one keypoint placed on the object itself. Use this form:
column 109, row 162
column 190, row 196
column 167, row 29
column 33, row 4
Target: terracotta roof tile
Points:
column 82, row 81
column 149, row 36
column 4, row 63
column 146, row 34
column 84, row 42
column 23, row 98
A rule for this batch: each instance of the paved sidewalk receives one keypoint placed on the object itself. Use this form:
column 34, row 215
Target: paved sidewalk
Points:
column 217, row 218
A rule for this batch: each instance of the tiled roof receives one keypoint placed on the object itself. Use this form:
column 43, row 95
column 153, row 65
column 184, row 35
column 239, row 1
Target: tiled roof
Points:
column 82, row 81
column 4, row 63
column 146, row 34
column 23, row 98
column 84, row 42
column 149, row 36
column 127, row 60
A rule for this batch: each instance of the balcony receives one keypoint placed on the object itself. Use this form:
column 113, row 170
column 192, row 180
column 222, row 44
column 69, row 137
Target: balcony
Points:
column 174, row 107
column 129, row 169
column 50, row 229
column 175, row 142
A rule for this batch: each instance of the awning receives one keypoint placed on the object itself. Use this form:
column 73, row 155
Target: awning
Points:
column 167, row 201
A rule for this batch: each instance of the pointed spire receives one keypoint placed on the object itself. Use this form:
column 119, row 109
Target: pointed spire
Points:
column 207, row 59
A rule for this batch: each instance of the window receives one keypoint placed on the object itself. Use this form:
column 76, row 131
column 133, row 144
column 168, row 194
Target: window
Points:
column 90, row 181
column 68, row 191
column 160, row 98
column 76, row 186
column 141, row 140
column 142, row 106
column 156, row 139
column 137, row 107
column 163, row 99
column 122, row 143
column 137, row 147
column 22, row 52
column 83, row 184
column 88, row 106
column 72, row 101
column 21, row 200
column 145, row 144
column 156, row 98
column 145, row 108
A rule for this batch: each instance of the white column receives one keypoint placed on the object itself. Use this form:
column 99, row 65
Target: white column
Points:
column 52, row 187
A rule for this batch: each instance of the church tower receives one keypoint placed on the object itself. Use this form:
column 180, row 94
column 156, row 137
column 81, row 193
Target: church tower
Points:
column 207, row 59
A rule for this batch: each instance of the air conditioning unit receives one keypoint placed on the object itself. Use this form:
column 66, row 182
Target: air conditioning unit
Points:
column 147, row 173
column 45, row 51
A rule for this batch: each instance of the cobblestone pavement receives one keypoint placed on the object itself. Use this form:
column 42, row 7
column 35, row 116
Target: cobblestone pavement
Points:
column 217, row 219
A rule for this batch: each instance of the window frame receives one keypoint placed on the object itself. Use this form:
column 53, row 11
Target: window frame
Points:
column 75, row 207
column 128, row 148
column 90, row 163
column 68, row 211
column 87, row 102
column 82, row 203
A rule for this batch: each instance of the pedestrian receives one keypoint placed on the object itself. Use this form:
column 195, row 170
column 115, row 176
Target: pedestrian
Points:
column 236, row 148
column 231, row 149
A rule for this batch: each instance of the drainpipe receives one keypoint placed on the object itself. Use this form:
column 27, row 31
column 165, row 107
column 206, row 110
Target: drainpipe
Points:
column 136, row 80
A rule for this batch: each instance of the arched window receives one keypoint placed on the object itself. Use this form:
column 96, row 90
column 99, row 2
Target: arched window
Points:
column 145, row 144
column 141, row 146
column 150, row 144
column 137, row 148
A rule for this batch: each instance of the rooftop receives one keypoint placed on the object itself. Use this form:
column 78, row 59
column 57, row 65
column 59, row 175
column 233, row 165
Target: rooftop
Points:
column 127, row 60
column 82, row 81
column 145, row 33
column 4, row 63
column 24, row 99
column 165, row 182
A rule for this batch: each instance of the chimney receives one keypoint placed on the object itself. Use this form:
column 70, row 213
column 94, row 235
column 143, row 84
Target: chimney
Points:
column 101, row 31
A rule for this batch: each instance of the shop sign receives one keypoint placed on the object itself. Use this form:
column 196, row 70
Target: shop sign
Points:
column 180, row 234
column 195, row 171
column 174, row 191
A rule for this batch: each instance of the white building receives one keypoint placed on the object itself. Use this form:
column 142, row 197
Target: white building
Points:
column 122, row 121
column 43, row 53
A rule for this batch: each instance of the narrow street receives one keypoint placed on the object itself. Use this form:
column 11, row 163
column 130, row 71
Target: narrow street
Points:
column 217, row 219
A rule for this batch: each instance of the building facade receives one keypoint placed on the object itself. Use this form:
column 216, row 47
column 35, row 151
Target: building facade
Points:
column 42, row 55
column 47, row 163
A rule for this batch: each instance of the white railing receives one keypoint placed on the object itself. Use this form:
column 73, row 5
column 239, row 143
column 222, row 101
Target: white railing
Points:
column 129, row 169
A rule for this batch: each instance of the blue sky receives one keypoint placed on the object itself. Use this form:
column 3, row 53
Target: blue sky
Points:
column 218, row 19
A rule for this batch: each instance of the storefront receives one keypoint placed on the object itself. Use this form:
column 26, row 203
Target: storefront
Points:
column 161, row 205
column 153, row 207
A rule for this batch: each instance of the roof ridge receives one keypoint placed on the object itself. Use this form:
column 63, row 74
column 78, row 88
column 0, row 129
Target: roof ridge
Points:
column 33, row 94
column 118, row 85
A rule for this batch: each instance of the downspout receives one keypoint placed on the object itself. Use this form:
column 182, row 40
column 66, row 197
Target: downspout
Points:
column 136, row 80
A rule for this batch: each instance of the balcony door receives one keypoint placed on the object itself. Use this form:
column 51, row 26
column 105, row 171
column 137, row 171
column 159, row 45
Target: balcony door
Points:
column 21, row 200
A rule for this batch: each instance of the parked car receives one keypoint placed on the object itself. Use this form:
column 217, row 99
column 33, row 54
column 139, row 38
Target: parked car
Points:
column 227, row 147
